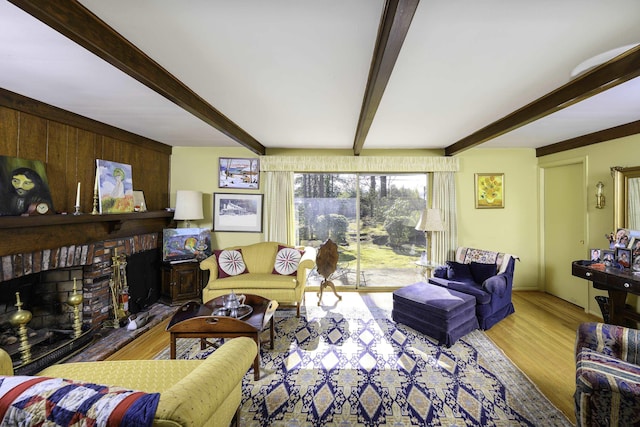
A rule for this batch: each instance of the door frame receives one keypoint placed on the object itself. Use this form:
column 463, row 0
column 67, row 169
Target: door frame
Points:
column 583, row 161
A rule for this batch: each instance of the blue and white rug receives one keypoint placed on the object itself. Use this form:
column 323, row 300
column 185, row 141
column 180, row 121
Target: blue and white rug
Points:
column 351, row 365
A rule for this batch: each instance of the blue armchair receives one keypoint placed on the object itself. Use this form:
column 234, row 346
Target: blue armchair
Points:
column 607, row 375
column 486, row 275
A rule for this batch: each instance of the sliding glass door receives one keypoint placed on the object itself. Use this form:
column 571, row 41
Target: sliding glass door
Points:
column 371, row 218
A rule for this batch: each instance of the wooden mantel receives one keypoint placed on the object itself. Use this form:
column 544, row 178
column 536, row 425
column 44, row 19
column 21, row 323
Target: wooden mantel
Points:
column 20, row 234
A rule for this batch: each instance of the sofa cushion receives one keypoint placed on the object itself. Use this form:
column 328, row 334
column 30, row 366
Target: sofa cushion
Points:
column 481, row 271
column 459, row 272
column 230, row 262
column 287, row 260
column 245, row 282
column 468, row 287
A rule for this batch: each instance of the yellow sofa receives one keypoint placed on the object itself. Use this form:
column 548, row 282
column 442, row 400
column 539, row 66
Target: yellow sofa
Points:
column 192, row 392
column 259, row 259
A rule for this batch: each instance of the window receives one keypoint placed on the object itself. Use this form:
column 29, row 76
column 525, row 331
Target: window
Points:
column 372, row 218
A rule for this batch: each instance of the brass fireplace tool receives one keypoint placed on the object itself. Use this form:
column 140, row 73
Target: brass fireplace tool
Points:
column 21, row 318
column 119, row 288
column 74, row 301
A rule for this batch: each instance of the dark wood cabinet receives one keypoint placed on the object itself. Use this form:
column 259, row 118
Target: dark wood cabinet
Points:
column 181, row 282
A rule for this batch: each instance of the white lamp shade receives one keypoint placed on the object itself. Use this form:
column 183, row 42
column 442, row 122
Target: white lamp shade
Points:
column 430, row 221
column 188, row 205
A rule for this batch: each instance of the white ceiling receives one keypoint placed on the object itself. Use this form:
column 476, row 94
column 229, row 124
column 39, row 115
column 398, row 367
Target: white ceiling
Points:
column 292, row 73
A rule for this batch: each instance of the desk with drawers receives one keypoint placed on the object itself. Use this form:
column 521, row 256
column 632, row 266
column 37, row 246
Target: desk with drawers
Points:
column 617, row 282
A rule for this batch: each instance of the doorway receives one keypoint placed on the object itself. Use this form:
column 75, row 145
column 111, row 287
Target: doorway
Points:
column 564, row 231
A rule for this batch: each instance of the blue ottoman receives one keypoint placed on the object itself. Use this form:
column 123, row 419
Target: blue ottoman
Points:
column 441, row 313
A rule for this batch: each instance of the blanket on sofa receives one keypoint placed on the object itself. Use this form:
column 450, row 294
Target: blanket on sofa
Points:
column 42, row 401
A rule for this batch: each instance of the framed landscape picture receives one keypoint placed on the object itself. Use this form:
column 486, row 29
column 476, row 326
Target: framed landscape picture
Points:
column 237, row 212
column 239, row 173
column 489, row 190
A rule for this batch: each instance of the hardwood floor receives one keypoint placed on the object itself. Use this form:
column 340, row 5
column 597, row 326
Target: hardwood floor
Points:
column 539, row 338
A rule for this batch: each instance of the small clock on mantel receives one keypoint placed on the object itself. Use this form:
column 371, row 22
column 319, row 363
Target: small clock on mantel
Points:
column 41, row 208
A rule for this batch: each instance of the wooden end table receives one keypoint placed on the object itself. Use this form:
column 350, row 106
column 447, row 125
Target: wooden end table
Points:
column 196, row 320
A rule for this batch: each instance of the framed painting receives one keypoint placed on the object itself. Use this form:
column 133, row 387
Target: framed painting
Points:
column 181, row 244
column 489, row 190
column 115, row 187
column 24, row 189
column 237, row 212
column 139, row 204
column 239, row 173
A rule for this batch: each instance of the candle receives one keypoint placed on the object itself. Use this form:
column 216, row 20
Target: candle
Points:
column 74, row 286
column 95, row 188
column 78, row 195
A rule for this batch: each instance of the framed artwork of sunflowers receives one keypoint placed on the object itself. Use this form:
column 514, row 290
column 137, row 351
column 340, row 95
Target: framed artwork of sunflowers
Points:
column 489, row 190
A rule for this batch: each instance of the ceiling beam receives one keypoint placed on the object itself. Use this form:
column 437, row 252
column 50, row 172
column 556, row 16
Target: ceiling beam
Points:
column 78, row 24
column 620, row 131
column 394, row 26
column 612, row 73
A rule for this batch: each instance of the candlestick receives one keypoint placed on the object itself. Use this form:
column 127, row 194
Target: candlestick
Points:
column 78, row 195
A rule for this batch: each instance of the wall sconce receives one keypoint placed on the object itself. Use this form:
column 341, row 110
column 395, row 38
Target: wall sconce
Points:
column 599, row 195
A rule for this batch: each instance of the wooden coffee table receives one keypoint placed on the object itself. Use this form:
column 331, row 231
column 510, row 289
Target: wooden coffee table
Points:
column 196, row 320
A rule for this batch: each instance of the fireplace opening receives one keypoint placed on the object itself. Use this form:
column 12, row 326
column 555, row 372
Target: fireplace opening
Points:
column 46, row 295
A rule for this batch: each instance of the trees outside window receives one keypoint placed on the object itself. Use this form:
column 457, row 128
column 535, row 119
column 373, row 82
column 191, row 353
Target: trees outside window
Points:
column 371, row 217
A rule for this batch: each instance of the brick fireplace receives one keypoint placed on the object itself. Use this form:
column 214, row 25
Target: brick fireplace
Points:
column 55, row 249
column 95, row 261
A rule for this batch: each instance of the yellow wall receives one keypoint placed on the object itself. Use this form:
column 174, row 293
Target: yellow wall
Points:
column 195, row 168
column 512, row 229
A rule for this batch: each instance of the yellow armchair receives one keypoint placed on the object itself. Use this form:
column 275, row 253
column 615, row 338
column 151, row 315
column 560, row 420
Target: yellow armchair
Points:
column 194, row 393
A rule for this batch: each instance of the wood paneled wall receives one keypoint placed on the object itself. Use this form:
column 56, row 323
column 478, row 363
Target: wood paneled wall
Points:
column 69, row 145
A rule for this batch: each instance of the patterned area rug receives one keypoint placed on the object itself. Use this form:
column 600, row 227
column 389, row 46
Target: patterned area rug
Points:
column 351, row 365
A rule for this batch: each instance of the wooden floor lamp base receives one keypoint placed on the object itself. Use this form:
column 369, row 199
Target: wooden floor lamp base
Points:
column 323, row 285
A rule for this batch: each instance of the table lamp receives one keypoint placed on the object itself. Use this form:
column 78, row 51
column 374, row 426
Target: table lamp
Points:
column 429, row 221
column 188, row 206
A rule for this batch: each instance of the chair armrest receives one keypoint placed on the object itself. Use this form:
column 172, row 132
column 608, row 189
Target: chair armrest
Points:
column 596, row 372
column 210, row 264
column 211, row 382
column 611, row 340
column 307, row 262
column 497, row 284
column 6, row 364
column 441, row 272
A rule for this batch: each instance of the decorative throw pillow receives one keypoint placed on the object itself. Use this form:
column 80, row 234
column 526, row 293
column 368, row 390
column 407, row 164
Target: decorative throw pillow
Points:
column 287, row 260
column 459, row 272
column 482, row 272
column 230, row 262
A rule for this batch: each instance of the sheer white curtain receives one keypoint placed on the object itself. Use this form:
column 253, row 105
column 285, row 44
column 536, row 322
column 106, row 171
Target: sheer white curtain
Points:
column 278, row 172
column 279, row 221
column 444, row 198
column 344, row 164
column 633, row 209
